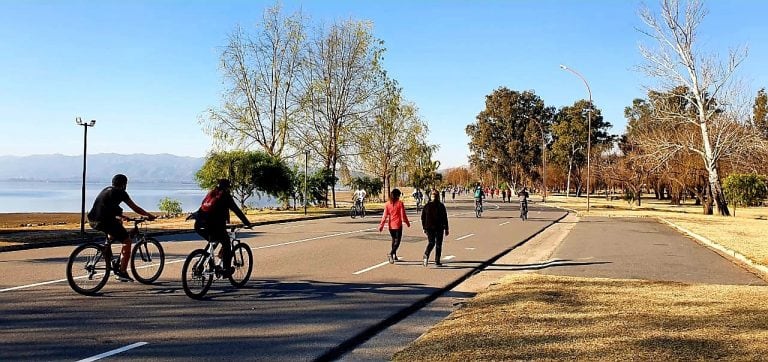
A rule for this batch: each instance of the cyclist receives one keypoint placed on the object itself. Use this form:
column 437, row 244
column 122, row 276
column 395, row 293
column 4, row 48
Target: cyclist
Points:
column 106, row 216
column 359, row 198
column 479, row 196
column 523, row 196
column 212, row 217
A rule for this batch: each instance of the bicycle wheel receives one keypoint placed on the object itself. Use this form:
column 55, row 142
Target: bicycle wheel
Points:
column 197, row 274
column 242, row 261
column 87, row 269
column 147, row 260
column 352, row 212
column 477, row 211
column 362, row 212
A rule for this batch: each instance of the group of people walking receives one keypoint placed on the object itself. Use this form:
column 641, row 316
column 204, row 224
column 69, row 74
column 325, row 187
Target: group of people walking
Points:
column 434, row 221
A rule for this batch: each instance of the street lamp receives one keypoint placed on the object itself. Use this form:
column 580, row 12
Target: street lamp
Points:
column 85, row 125
column 306, row 170
column 589, row 124
column 543, row 161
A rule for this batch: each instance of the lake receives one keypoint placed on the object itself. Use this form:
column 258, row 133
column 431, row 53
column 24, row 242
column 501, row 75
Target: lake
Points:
column 41, row 196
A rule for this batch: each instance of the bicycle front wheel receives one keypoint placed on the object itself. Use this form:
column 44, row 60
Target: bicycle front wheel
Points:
column 147, row 260
column 197, row 274
column 242, row 261
column 352, row 212
column 362, row 212
column 87, row 269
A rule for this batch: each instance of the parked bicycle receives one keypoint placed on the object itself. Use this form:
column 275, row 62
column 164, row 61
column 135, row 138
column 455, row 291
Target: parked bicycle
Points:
column 90, row 264
column 358, row 209
column 201, row 266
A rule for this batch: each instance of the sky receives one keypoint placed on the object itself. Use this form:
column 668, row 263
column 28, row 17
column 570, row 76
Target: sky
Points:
column 146, row 70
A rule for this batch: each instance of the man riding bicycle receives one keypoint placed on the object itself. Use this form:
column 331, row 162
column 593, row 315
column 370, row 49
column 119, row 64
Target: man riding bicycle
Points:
column 212, row 217
column 418, row 197
column 479, row 196
column 359, row 198
column 523, row 196
column 106, row 216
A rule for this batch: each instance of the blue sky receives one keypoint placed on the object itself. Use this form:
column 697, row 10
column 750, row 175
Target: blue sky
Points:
column 145, row 70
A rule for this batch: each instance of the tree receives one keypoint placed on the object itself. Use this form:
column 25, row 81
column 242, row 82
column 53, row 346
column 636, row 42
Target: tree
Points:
column 372, row 186
column 169, row 206
column 505, row 140
column 745, row 190
column 458, row 176
column 393, row 129
column 261, row 71
column 341, row 78
column 677, row 62
column 250, row 173
column 569, row 138
column 760, row 113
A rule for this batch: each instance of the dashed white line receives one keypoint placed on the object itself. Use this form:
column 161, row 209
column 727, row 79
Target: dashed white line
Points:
column 464, row 237
column 449, row 257
column 504, row 223
column 371, row 268
column 113, row 352
column 469, row 248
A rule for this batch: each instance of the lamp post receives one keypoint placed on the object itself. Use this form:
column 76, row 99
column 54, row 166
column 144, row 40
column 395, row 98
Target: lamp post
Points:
column 306, row 170
column 589, row 124
column 543, row 162
column 85, row 125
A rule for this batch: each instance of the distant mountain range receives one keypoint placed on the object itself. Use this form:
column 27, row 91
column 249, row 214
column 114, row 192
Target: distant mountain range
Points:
column 101, row 167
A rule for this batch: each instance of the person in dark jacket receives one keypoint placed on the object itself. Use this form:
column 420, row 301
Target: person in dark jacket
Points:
column 212, row 218
column 434, row 219
column 106, row 215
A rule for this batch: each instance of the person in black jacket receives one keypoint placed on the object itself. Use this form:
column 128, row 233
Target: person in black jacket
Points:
column 434, row 219
column 212, row 218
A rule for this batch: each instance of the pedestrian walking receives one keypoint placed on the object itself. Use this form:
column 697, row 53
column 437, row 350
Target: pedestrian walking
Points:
column 434, row 219
column 394, row 211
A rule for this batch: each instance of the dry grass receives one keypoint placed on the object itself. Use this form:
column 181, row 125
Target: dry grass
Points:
column 530, row 316
column 744, row 233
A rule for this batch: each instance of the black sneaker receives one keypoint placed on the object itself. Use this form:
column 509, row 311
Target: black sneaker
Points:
column 227, row 272
column 438, row 263
column 391, row 258
column 123, row 277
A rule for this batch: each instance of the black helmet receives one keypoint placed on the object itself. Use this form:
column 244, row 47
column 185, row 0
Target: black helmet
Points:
column 223, row 184
column 119, row 180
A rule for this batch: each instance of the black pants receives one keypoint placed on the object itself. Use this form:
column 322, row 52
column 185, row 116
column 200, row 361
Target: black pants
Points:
column 217, row 234
column 435, row 238
column 397, row 235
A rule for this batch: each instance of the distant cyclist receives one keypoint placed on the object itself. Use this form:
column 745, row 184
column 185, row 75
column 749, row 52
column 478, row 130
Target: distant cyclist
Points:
column 418, row 197
column 479, row 196
column 359, row 197
column 106, row 215
column 523, row 196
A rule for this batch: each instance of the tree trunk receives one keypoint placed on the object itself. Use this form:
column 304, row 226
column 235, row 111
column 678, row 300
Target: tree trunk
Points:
column 716, row 190
column 568, row 183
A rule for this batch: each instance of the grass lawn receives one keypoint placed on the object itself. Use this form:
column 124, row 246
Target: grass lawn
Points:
column 530, row 316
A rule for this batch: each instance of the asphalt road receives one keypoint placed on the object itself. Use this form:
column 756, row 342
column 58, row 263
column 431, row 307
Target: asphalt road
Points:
column 316, row 285
column 641, row 248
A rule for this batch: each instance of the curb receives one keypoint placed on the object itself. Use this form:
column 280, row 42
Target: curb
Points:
column 736, row 257
column 350, row 344
column 48, row 244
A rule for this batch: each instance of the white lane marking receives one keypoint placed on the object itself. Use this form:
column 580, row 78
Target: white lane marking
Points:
column 315, row 238
column 469, row 248
column 113, row 352
column 80, row 277
column 290, row 227
column 504, row 223
column 449, row 257
column 464, row 237
column 371, row 268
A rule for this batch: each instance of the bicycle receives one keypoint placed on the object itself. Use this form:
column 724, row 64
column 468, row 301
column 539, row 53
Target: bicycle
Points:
column 358, row 209
column 478, row 209
column 90, row 264
column 524, row 210
column 418, row 205
column 200, row 267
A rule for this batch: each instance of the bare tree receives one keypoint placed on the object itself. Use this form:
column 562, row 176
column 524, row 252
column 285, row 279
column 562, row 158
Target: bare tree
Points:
column 261, row 72
column 677, row 62
column 342, row 77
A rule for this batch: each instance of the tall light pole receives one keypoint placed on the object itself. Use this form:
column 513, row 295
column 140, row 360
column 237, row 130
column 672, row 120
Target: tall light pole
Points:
column 85, row 125
column 589, row 124
column 543, row 161
column 306, row 170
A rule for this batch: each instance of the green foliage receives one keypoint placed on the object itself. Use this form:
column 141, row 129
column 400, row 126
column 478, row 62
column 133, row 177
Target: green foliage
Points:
column 250, row 172
column 169, row 206
column 745, row 189
column 760, row 113
column 318, row 184
column 371, row 185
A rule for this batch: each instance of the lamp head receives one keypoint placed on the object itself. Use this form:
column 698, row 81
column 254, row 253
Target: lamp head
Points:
column 79, row 121
column 563, row 67
column 92, row 123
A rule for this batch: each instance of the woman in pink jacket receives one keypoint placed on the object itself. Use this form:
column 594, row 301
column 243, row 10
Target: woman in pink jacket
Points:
column 395, row 211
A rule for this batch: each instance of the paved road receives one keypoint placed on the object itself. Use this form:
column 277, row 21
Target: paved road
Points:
column 317, row 285
column 640, row 248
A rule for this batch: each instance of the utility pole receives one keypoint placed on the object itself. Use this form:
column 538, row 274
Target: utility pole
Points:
column 85, row 125
column 306, row 170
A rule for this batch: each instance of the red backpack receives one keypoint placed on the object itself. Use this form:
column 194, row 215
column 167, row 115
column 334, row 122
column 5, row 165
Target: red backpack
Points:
column 211, row 200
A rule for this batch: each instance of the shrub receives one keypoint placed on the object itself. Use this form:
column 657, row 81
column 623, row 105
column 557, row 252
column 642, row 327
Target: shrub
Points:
column 745, row 189
column 170, row 206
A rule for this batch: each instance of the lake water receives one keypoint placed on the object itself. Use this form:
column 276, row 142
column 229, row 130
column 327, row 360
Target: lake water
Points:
column 25, row 196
